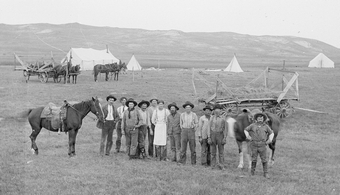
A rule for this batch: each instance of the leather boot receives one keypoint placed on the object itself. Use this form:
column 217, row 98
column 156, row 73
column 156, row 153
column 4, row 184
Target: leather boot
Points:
column 265, row 170
column 252, row 169
column 108, row 148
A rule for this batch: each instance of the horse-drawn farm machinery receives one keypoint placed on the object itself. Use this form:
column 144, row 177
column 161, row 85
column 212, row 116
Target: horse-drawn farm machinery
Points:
column 268, row 94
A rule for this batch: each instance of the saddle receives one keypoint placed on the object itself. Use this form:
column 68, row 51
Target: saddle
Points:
column 55, row 114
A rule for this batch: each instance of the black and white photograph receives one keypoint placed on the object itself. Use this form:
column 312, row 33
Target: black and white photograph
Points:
column 169, row 97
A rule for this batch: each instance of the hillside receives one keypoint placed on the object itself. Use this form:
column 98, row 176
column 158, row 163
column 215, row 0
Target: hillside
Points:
column 169, row 48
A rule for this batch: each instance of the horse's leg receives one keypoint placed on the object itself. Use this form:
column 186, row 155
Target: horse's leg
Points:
column 71, row 141
column 271, row 154
column 33, row 137
column 248, row 154
column 74, row 143
column 240, row 151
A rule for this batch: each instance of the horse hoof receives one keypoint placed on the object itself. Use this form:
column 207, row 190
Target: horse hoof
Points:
column 240, row 166
column 35, row 151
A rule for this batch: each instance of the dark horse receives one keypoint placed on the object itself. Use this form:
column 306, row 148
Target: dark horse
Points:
column 121, row 66
column 74, row 117
column 239, row 122
column 113, row 68
column 73, row 71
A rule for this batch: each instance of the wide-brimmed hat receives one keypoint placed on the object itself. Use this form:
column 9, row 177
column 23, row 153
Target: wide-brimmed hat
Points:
column 260, row 114
column 217, row 106
column 187, row 103
column 111, row 96
column 154, row 99
column 207, row 107
column 144, row 102
column 174, row 105
column 121, row 99
column 130, row 100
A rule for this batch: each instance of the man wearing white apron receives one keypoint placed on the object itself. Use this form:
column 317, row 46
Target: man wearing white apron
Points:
column 159, row 117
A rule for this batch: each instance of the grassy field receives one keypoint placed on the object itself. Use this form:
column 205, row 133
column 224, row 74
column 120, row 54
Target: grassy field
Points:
column 307, row 155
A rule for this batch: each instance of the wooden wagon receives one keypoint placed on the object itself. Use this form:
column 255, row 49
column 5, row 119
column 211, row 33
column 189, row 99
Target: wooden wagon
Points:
column 44, row 73
column 271, row 100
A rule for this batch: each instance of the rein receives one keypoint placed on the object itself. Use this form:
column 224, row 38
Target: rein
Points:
column 82, row 113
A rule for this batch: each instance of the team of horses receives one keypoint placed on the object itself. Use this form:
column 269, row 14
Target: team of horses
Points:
column 113, row 68
column 76, row 113
column 67, row 72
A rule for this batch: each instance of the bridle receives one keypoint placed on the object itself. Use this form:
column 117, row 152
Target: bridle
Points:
column 83, row 114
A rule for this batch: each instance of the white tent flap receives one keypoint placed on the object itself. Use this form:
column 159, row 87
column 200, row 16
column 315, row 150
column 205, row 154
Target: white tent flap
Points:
column 233, row 66
column 133, row 64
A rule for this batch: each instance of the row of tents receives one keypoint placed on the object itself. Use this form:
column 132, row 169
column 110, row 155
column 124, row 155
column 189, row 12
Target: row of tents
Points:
column 87, row 58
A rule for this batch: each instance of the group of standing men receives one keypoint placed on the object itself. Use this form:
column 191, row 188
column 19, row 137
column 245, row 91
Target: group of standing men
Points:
column 153, row 119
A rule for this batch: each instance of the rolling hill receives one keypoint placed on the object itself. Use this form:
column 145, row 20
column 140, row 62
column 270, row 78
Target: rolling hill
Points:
column 169, row 48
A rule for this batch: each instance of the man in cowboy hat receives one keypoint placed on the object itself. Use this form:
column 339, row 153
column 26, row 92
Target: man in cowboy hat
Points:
column 121, row 109
column 217, row 134
column 110, row 118
column 130, row 123
column 151, row 109
column 174, row 131
column 203, row 125
column 144, row 126
column 260, row 135
column 188, row 123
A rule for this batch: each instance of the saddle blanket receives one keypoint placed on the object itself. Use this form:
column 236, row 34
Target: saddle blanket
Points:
column 54, row 113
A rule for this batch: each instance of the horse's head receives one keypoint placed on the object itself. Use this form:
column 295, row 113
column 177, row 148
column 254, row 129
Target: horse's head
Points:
column 122, row 66
column 77, row 68
column 96, row 109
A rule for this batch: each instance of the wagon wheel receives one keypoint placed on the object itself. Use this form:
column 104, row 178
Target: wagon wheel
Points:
column 230, row 109
column 43, row 77
column 283, row 109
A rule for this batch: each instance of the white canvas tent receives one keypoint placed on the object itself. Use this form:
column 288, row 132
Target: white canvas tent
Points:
column 321, row 61
column 87, row 58
column 133, row 64
column 233, row 66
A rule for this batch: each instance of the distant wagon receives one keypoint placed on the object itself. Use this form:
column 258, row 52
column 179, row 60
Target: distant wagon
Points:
column 44, row 72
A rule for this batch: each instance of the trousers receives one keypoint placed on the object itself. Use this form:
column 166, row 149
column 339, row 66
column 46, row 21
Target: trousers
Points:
column 131, row 142
column 141, row 138
column 175, row 145
column 150, row 140
column 107, row 132
column 188, row 136
column 258, row 148
column 216, row 139
column 205, row 153
column 119, row 136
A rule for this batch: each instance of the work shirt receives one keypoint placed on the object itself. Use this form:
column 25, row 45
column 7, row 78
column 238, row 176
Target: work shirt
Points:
column 203, row 125
column 189, row 121
column 217, row 124
column 173, row 124
column 121, row 110
column 150, row 111
column 259, row 131
column 134, row 120
column 109, row 116
column 145, row 117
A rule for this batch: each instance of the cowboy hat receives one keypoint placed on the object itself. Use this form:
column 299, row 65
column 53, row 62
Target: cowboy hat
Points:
column 154, row 99
column 187, row 103
column 130, row 100
column 207, row 107
column 174, row 105
column 259, row 115
column 111, row 96
column 121, row 99
column 144, row 102
column 217, row 106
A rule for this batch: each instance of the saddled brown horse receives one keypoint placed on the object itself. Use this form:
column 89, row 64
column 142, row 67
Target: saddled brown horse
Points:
column 74, row 117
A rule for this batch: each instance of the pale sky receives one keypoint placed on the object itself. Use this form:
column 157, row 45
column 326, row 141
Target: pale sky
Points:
column 316, row 19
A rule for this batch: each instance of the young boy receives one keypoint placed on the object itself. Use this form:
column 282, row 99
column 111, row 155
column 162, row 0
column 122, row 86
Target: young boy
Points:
column 260, row 135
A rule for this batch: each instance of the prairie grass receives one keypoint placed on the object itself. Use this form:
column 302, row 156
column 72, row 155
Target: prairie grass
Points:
column 307, row 155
